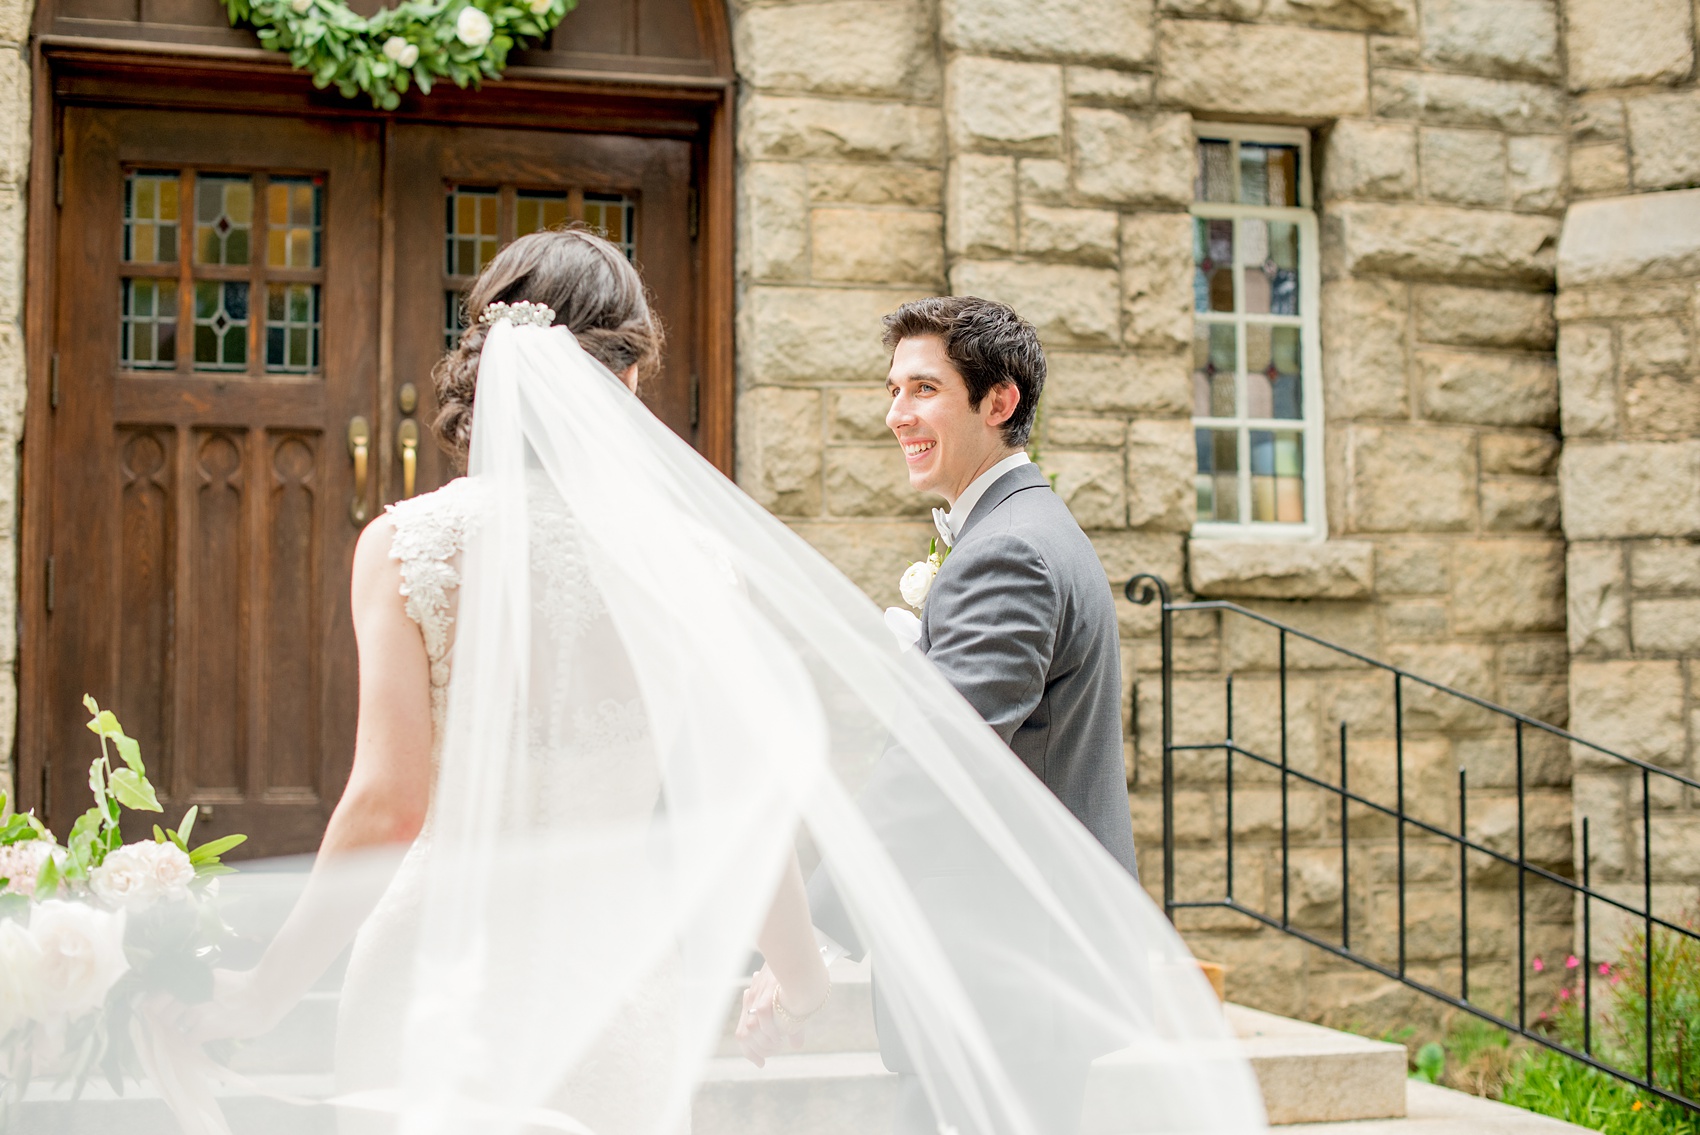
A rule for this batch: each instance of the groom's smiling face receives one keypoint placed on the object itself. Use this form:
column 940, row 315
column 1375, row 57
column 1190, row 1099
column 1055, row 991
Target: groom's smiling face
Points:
column 946, row 440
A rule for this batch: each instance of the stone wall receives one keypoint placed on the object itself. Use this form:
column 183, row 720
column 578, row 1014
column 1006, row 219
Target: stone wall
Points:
column 14, row 179
column 1629, row 314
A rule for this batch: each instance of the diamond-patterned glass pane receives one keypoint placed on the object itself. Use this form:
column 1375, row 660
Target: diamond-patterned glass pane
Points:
column 614, row 217
column 224, row 219
column 151, row 217
column 1269, row 250
column 221, row 325
column 1277, row 476
column 1213, row 367
column 537, row 212
column 1213, row 261
column 147, row 337
column 472, row 229
column 292, row 328
column 1273, row 389
column 1218, row 474
column 294, row 222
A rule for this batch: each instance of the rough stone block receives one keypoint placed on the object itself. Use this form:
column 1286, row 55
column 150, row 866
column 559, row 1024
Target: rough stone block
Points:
column 1662, row 129
column 1069, row 305
column 1157, row 280
column 1507, row 586
column 1465, row 167
column 1587, row 379
column 1492, row 37
column 15, row 132
column 779, row 449
column 995, row 104
column 1465, row 100
column 1624, row 43
column 1118, row 383
column 857, row 183
column 1364, row 324
column 1112, row 88
column 1338, row 569
column 1634, row 708
column 1161, row 466
column 1665, row 626
column 876, row 246
column 773, row 126
column 1665, row 567
column 1453, row 245
column 1597, row 118
column 1488, row 389
column 1463, row 666
column 1520, row 504
column 1482, row 317
column 1085, row 236
column 1652, row 346
column 1369, row 159
column 1092, row 483
column 872, row 481
column 1649, row 236
column 1629, row 489
column 1631, row 300
column 815, row 334
column 1599, row 168
column 1391, row 17
column 1536, row 167
column 857, row 47
column 1042, row 179
column 1110, row 31
column 1072, row 431
column 1661, row 405
column 1407, row 568
column 1525, row 454
column 980, row 208
column 1206, row 65
column 774, row 220
column 1411, row 480
column 1122, row 158
column 1414, row 619
column 874, row 555
column 859, row 415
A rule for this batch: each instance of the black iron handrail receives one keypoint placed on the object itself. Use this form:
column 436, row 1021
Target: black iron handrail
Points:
column 1145, row 589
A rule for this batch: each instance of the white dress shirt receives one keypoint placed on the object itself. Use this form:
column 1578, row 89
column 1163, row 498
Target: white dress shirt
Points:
column 950, row 523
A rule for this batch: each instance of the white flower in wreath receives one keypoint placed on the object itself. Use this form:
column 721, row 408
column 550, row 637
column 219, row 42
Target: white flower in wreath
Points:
column 139, row 873
column 400, row 52
column 299, row 7
column 80, row 956
column 473, row 27
column 538, row 7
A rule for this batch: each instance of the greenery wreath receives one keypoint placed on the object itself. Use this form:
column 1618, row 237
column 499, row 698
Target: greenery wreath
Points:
column 417, row 42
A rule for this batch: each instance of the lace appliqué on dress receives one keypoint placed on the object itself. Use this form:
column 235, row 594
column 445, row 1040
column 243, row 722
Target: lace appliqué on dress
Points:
column 611, row 723
column 430, row 532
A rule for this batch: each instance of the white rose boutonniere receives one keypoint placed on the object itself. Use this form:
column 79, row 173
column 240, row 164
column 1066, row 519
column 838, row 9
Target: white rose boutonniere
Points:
column 917, row 582
column 473, row 27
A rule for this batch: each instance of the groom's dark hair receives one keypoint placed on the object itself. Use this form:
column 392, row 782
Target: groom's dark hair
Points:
column 987, row 343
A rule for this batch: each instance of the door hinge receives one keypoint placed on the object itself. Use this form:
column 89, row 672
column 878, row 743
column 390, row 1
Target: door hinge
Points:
column 53, row 381
column 696, row 399
column 692, row 207
column 50, row 585
column 59, row 180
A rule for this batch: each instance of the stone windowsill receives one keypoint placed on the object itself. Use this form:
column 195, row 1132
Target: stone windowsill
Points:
column 1337, row 569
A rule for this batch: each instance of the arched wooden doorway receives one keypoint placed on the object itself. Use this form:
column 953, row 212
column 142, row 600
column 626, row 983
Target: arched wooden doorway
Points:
column 237, row 287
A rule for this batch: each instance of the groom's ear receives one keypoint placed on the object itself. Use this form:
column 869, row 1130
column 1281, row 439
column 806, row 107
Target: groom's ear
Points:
column 1002, row 402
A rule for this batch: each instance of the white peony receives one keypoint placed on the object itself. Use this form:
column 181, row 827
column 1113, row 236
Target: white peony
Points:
column 80, row 956
column 22, row 862
column 138, row 873
column 473, row 27
column 400, row 52
column 917, row 581
column 20, row 961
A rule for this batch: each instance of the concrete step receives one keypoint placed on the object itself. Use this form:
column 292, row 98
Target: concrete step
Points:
column 1433, row 1110
column 1312, row 1074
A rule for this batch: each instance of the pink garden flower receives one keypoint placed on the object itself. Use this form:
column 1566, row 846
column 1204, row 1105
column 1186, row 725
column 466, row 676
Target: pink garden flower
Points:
column 1571, row 962
column 1538, row 965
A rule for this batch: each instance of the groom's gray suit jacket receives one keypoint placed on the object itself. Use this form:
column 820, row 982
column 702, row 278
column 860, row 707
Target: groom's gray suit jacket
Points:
column 1022, row 622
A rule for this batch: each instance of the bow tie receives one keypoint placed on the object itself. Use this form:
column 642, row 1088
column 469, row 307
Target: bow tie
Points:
column 942, row 523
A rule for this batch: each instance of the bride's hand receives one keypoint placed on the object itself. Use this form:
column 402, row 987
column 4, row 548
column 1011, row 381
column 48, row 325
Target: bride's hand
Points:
column 241, row 1006
column 759, row 1033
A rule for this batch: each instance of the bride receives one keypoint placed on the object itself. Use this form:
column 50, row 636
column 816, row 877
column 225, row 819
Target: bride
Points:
column 609, row 710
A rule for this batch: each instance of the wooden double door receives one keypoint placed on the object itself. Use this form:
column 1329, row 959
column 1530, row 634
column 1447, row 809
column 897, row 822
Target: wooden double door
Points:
column 245, row 317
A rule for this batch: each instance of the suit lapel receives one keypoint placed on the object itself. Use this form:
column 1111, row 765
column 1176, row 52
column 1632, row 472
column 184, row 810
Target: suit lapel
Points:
column 1016, row 480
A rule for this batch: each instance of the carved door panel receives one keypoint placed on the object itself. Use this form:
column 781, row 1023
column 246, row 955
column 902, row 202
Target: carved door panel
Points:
column 464, row 192
column 216, row 335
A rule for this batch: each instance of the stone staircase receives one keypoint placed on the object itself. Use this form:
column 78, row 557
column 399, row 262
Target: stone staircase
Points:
column 1314, row 1079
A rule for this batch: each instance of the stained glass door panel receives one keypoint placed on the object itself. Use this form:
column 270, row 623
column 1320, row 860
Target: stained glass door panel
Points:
column 217, row 332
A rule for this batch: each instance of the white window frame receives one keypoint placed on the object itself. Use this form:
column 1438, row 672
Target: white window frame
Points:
column 1315, row 526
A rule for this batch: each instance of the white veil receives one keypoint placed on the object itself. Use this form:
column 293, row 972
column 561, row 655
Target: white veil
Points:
column 779, row 713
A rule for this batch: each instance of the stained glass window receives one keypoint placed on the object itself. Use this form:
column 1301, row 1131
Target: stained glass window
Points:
column 1255, row 409
column 473, row 235
column 292, row 328
column 221, row 325
column 536, row 211
column 224, row 219
column 614, row 217
column 148, row 330
column 293, row 224
column 454, row 318
column 150, row 217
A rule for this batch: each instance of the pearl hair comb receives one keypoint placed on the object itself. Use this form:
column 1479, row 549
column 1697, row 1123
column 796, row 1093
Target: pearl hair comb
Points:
column 519, row 314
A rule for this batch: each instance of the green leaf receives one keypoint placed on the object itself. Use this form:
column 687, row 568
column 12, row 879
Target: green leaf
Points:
column 158, row 834
column 1431, row 1063
column 133, row 791
column 211, row 850
column 188, row 825
column 47, row 879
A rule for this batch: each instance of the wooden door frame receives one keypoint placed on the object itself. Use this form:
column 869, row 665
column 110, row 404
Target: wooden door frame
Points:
column 168, row 76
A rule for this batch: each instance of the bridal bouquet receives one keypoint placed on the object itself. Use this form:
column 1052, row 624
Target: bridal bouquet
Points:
column 94, row 930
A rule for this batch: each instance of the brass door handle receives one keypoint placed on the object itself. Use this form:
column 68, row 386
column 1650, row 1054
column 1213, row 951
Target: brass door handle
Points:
column 359, row 446
column 407, row 440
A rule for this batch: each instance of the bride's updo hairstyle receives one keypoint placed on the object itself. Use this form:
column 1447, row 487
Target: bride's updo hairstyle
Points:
column 596, row 294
